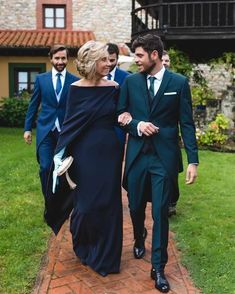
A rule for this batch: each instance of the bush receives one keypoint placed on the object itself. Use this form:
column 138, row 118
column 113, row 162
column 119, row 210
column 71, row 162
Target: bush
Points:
column 214, row 134
column 180, row 62
column 13, row 111
column 201, row 94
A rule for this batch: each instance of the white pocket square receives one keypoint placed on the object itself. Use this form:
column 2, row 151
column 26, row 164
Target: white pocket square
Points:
column 170, row 93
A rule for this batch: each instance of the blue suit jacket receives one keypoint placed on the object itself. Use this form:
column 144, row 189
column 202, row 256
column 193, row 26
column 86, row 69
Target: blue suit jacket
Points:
column 119, row 77
column 45, row 97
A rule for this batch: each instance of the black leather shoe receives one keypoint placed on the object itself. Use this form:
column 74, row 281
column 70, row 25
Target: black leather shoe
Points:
column 171, row 210
column 139, row 248
column 161, row 282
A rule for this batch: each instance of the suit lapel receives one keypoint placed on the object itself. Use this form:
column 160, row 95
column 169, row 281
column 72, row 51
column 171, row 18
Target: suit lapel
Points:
column 49, row 85
column 160, row 92
column 117, row 76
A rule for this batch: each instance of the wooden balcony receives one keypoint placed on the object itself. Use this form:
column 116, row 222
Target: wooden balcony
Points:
column 185, row 20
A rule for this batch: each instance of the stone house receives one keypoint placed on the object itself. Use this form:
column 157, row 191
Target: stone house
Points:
column 29, row 28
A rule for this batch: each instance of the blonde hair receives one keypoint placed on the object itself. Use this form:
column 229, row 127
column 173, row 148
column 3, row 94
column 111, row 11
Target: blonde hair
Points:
column 87, row 57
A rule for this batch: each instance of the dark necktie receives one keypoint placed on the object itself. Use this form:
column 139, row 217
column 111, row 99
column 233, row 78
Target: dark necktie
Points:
column 151, row 87
column 58, row 83
column 109, row 76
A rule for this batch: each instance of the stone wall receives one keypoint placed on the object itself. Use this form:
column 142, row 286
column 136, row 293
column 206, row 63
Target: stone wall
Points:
column 221, row 81
column 110, row 20
column 17, row 14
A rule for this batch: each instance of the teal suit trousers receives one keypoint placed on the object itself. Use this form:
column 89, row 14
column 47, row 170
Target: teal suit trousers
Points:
column 149, row 177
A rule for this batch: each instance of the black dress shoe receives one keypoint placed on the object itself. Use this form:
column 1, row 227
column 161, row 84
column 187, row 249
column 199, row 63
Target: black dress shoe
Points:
column 171, row 210
column 139, row 247
column 161, row 282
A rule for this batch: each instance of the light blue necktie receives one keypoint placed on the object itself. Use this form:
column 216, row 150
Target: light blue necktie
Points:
column 58, row 83
column 151, row 88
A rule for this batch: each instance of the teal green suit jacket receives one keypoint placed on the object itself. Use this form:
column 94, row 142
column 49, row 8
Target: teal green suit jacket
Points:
column 170, row 108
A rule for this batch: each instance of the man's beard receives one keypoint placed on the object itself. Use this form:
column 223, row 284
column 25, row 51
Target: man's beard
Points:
column 150, row 68
column 59, row 68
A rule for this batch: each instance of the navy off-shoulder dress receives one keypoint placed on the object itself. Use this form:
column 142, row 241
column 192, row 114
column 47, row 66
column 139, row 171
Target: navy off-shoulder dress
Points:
column 96, row 221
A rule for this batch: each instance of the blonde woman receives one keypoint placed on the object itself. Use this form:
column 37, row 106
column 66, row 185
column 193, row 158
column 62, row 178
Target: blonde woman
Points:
column 88, row 135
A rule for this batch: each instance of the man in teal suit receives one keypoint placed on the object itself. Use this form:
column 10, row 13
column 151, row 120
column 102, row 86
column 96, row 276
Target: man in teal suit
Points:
column 159, row 101
column 50, row 96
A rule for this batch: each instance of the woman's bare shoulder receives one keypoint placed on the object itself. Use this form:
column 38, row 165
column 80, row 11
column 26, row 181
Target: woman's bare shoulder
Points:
column 78, row 83
column 111, row 83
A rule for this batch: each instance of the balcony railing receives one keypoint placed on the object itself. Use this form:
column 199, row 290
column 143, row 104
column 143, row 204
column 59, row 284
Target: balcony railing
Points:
column 191, row 18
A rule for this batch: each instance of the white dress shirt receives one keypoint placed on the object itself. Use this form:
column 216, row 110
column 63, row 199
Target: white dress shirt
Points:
column 157, row 83
column 158, row 80
column 54, row 80
column 112, row 73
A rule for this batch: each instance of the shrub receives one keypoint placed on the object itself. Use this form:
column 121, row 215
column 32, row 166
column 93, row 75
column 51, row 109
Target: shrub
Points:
column 180, row 62
column 13, row 111
column 214, row 134
column 200, row 94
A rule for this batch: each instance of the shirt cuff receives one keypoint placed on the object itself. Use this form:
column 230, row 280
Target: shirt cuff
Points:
column 138, row 129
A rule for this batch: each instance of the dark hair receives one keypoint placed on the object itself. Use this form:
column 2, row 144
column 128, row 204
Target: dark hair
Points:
column 165, row 52
column 56, row 48
column 149, row 42
column 113, row 48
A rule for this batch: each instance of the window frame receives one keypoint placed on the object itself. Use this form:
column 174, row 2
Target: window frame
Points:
column 14, row 68
column 54, row 7
column 68, row 18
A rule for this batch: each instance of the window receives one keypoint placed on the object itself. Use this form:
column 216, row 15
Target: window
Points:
column 54, row 16
column 22, row 77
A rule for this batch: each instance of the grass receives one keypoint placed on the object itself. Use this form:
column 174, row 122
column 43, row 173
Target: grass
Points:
column 205, row 223
column 23, row 234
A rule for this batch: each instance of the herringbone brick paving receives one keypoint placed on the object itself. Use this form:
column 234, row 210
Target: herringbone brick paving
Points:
column 62, row 273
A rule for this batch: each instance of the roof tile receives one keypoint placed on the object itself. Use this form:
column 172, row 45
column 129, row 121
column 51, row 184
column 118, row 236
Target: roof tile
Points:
column 46, row 38
column 41, row 38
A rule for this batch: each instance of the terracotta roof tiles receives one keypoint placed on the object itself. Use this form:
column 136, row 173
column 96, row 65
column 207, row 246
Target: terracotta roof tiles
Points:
column 43, row 39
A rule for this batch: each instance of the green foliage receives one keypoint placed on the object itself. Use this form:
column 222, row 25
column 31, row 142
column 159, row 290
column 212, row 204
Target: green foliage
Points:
column 214, row 134
column 180, row 62
column 200, row 94
column 228, row 59
column 13, row 111
column 200, row 90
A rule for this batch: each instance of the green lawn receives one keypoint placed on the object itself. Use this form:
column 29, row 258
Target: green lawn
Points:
column 204, row 223
column 23, row 234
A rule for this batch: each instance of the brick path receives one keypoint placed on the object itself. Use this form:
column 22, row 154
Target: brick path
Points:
column 62, row 273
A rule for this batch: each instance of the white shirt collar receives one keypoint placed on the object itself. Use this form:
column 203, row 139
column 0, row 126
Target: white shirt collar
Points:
column 158, row 75
column 54, row 72
column 113, row 72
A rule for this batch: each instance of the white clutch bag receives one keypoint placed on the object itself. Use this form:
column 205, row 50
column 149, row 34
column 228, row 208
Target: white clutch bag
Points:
column 66, row 163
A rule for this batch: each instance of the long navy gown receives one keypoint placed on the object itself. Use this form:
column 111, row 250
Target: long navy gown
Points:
column 96, row 221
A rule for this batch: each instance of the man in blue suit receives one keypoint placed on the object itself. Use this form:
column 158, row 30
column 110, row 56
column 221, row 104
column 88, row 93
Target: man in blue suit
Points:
column 49, row 97
column 118, row 75
column 159, row 101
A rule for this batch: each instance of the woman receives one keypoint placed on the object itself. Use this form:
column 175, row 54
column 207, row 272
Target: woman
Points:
column 88, row 135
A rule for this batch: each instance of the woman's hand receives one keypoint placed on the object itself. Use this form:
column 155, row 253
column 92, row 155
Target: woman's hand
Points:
column 124, row 119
